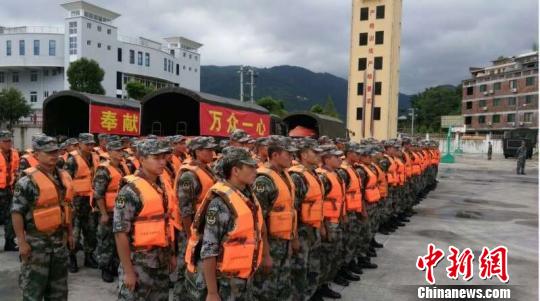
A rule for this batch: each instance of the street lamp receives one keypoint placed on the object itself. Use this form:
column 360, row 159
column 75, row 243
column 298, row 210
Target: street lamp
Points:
column 411, row 113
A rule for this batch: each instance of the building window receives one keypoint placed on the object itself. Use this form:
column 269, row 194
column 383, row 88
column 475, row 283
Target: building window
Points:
column 15, row 77
column 376, row 113
column 45, row 94
column 132, row 56
column 496, row 118
column 52, row 47
column 511, row 117
column 21, row 47
column 108, row 31
column 98, row 45
column 190, row 56
column 89, row 25
column 46, row 72
column 496, row 102
column 470, row 90
column 380, row 12
column 2, row 77
column 483, row 88
column 184, row 68
column 195, row 69
column 99, row 28
column 512, row 101
column 33, row 96
column 108, row 47
column 378, row 62
column 196, row 57
column 379, row 37
column 184, row 54
column 139, row 58
column 482, row 103
column 88, row 42
column 496, row 86
column 378, row 88
column 527, row 117
column 513, row 84
column 36, row 47
column 468, row 105
column 164, row 64
column 33, row 76
column 468, row 120
column 147, row 59
column 189, row 68
column 119, row 54
column 8, row 47
column 72, row 45
column 362, row 62
column 72, row 27
column 529, row 99
column 481, row 119
column 360, row 89
column 177, row 69
column 529, row 81
column 363, row 38
column 364, row 13
column 359, row 113
column 53, row 72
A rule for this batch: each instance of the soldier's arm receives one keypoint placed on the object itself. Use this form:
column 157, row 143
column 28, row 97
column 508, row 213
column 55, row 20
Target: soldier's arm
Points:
column 344, row 176
column 187, row 190
column 71, row 166
column 101, row 181
column 301, row 188
column 20, row 206
column 266, row 193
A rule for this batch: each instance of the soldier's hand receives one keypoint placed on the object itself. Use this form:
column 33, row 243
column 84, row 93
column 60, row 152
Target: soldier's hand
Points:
column 104, row 219
column 267, row 264
column 130, row 281
column 71, row 242
column 172, row 264
column 324, row 233
column 296, row 247
column 213, row 297
column 24, row 251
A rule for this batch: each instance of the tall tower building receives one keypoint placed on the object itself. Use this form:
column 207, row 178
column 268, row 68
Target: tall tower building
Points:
column 372, row 104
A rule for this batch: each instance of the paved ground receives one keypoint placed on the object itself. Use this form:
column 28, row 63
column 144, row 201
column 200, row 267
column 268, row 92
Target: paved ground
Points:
column 477, row 203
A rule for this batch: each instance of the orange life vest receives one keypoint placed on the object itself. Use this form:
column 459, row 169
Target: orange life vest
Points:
column 82, row 181
column 353, row 197
column 134, row 161
column 51, row 210
column 176, row 163
column 383, row 184
column 311, row 212
column 242, row 250
column 333, row 202
column 8, row 171
column 408, row 164
column 31, row 159
column 114, row 183
column 205, row 178
column 392, row 176
column 416, row 164
column 401, row 171
column 152, row 227
column 371, row 189
column 282, row 218
column 103, row 155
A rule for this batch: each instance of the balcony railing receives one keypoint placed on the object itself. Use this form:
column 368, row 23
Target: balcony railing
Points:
column 31, row 29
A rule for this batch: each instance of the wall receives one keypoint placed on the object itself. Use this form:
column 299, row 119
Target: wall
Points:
column 473, row 146
column 22, row 136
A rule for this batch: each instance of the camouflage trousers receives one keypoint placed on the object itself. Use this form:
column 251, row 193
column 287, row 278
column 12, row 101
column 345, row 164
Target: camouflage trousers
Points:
column 179, row 292
column 278, row 284
column 106, row 247
column 5, row 213
column 229, row 289
column 305, row 265
column 152, row 284
column 332, row 250
column 351, row 236
column 44, row 276
column 374, row 213
column 364, row 236
column 84, row 224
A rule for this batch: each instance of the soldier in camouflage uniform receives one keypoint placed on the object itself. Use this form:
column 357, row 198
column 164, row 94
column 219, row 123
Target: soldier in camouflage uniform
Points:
column 24, row 161
column 277, row 285
column 189, row 191
column 8, row 174
column 238, row 138
column 44, row 268
column 106, row 249
column 261, row 150
column 144, row 271
column 212, row 224
column 85, row 219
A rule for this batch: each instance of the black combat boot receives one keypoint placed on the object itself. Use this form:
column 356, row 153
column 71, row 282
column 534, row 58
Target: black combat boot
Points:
column 326, row 291
column 340, row 280
column 376, row 244
column 90, row 261
column 106, row 275
column 355, row 268
column 365, row 263
column 73, row 267
column 347, row 274
column 10, row 246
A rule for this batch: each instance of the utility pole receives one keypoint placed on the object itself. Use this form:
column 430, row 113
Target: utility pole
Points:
column 241, row 71
column 252, row 83
column 411, row 110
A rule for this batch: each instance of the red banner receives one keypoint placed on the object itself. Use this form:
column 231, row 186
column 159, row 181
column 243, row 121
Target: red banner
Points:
column 221, row 121
column 111, row 120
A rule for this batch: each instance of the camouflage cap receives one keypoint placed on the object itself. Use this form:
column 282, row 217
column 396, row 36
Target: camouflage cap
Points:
column 152, row 136
column 113, row 138
column 251, row 141
column 308, row 143
column 236, row 155
column 114, row 145
column 324, row 140
column 285, row 143
column 363, row 150
column 35, row 136
column 240, row 136
column 152, row 147
column 44, row 144
column 342, row 140
column 202, row 142
column 350, row 147
column 224, row 143
column 86, row 138
column 330, row 150
column 178, row 139
column 261, row 141
column 103, row 136
column 5, row 135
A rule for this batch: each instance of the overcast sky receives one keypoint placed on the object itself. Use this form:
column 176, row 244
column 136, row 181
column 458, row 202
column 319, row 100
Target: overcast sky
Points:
column 440, row 39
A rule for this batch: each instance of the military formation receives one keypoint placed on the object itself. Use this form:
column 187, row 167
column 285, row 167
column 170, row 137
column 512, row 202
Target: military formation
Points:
column 271, row 218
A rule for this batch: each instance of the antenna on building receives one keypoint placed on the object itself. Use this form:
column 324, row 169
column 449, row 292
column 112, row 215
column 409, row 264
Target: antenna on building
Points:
column 241, row 71
column 252, row 75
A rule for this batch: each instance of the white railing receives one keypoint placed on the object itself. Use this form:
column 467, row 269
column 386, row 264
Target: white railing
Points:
column 139, row 41
column 32, row 29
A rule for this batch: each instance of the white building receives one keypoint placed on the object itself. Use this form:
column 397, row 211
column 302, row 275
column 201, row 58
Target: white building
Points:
column 35, row 59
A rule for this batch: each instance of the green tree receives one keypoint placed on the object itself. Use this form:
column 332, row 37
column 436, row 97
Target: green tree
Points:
column 317, row 108
column 85, row 75
column 138, row 90
column 13, row 106
column 433, row 103
column 274, row 106
column 330, row 107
